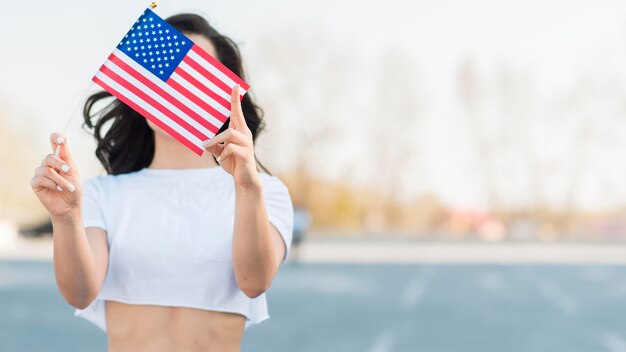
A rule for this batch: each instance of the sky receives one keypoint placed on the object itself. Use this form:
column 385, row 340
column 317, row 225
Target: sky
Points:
column 51, row 49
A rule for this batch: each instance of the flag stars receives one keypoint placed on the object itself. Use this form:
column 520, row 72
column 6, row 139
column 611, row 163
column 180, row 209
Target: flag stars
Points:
column 153, row 66
column 145, row 61
column 161, row 72
column 160, row 65
column 158, row 25
column 152, row 60
column 172, row 57
column 167, row 65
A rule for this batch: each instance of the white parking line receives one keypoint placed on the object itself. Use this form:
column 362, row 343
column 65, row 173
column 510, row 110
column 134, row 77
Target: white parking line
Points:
column 384, row 342
column 613, row 342
column 559, row 297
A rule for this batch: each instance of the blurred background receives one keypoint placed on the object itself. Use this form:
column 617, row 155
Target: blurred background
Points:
column 456, row 166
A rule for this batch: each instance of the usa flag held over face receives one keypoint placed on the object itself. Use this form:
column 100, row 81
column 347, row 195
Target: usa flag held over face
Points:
column 170, row 80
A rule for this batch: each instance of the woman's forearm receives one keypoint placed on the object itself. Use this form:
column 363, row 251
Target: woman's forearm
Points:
column 254, row 260
column 74, row 263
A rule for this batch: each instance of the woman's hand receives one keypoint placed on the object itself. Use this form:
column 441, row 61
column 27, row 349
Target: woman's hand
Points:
column 234, row 149
column 56, row 182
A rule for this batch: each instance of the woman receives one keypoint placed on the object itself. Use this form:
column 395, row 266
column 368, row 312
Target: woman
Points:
column 169, row 251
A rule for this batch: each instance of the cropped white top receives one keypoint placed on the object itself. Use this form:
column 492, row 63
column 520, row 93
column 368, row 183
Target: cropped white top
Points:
column 170, row 239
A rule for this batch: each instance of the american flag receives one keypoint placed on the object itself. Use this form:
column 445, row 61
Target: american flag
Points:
column 170, row 80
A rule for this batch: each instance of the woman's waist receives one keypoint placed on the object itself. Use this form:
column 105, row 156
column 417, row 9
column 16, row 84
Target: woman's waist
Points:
column 168, row 328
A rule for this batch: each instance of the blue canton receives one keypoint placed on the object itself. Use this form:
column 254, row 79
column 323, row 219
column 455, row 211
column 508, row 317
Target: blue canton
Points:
column 155, row 45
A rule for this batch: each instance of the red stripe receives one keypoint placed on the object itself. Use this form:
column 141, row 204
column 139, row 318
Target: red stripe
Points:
column 160, row 91
column 201, row 103
column 207, row 74
column 225, row 70
column 204, row 89
column 150, row 117
column 148, row 99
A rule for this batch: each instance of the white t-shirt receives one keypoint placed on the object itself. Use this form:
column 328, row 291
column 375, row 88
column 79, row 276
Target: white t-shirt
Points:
column 170, row 239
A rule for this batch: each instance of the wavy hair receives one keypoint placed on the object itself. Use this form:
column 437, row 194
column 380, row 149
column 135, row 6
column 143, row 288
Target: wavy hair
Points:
column 128, row 145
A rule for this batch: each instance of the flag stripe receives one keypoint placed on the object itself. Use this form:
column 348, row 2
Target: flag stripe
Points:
column 194, row 119
column 202, row 88
column 134, row 103
column 214, row 117
column 196, row 95
column 152, row 101
column 223, row 69
column 206, row 79
column 203, row 72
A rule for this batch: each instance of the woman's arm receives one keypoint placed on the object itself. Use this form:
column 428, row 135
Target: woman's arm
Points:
column 80, row 259
column 80, row 255
column 258, row 248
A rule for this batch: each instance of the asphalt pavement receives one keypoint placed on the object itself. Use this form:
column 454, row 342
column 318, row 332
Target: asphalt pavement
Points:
column 372, row 308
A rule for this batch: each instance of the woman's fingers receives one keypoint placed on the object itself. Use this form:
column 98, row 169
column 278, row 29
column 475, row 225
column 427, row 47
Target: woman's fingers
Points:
column 56, row 163
column 59, row 140
column 52, row 174
column 237, row 120
column 43, row 182
column 228, row 136
column 231, row 150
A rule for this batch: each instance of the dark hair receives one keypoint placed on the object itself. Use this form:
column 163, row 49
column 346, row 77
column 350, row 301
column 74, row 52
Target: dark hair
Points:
column 128, row 145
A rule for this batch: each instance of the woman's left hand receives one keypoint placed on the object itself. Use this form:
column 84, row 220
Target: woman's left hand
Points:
column 234, row 148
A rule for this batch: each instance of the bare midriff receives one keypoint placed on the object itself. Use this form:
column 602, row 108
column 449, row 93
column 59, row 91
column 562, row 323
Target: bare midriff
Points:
column 134, row 327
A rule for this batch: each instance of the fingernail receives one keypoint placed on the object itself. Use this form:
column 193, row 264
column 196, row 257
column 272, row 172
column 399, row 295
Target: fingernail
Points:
column 204, row 143
column 71, row 187
column 218, row 158
column 60, row 140
column 59, row 188
column 65, row 168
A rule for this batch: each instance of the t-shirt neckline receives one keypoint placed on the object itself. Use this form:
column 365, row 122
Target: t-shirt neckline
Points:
column 183, row 173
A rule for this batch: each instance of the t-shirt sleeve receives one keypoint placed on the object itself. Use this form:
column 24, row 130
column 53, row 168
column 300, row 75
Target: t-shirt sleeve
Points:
column 92, row 205
column 279, row 210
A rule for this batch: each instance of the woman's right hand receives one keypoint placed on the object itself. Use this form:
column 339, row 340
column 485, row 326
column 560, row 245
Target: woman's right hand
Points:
column 56, row 182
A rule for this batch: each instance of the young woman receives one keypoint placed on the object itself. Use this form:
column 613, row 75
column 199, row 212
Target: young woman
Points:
column 169, row 251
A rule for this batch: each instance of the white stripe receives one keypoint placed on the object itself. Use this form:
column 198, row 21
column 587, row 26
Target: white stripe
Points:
column 204, row 81
column 214, row 70
column 173, row 92
column 149, row 108
column 198, row 93
column 156, row 96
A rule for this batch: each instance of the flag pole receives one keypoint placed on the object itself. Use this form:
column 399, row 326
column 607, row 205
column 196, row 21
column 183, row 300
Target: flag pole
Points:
column 60, row 140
